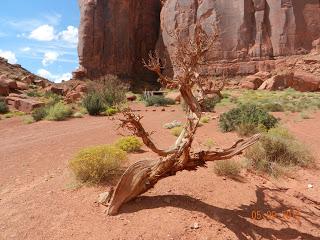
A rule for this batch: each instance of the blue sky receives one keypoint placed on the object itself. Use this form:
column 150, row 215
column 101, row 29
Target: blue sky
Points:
column 41, row 35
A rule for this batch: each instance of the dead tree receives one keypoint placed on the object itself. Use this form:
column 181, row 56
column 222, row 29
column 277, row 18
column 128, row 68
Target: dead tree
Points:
column 143, row 175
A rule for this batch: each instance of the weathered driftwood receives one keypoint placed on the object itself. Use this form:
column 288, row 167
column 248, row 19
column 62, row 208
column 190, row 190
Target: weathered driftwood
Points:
column 143, row 175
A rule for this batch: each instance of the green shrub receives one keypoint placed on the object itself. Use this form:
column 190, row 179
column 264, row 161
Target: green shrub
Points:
column 52, row 98
column 248, row 114
column 129, row 144
column 209, row 104
column 111, row 111
column 176, row 131
column 39, row 114
column 158, row 101
column 3, row 107
column 113, row 91
column 28, row 120
column 209, row 143
column 97, row 164
column 277, row 151
column 58, row 112
column 93, row 102
column 228, row 168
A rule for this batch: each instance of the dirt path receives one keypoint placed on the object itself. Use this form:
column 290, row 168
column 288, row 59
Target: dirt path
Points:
column 39, row 198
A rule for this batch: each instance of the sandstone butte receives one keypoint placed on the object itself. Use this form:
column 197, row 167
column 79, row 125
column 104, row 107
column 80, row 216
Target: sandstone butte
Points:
column 115, row 35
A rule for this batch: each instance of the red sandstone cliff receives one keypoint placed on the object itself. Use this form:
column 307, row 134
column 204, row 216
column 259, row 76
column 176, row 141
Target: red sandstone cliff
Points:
column 115, row 35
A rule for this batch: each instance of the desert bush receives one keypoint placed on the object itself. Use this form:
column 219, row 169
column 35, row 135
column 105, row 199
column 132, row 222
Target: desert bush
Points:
column 28, row 120
column 158, row 101
column 52, row 98
column 205, row 119
column 93, row 102
column 209, row 143
column 277, row 151
column 129, row 144
column 176, row 131
column 111, row 111
column 249, row 114
column 113, row 91
column 228, row 168
column 172, row 124
column 34, row 93
column 209, row 104
column 3, row 106
column 39, row 114
column 58, row 112
column 97, row 164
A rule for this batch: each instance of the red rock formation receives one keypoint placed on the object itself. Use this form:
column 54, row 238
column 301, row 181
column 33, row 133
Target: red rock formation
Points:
column 249, row 29
column 114, row 36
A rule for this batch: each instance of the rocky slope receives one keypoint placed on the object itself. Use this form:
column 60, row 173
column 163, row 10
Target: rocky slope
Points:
column 116, row 35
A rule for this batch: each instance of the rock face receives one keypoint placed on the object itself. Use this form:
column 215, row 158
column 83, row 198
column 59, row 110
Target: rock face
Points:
column 255, row 29
column 114, row 36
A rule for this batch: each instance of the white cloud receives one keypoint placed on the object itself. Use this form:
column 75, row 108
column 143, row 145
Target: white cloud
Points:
column 56, row 78
column 50, row 57
column 26, row 49
column 43, row 33
column 10, row 56
column 69, row 35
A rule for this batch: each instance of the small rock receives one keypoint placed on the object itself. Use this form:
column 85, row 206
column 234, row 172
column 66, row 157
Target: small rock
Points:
column 163, row 110
column 310, row 186
column 167, row 200
column 224, row 178
column 103, row 198
column 195, row 226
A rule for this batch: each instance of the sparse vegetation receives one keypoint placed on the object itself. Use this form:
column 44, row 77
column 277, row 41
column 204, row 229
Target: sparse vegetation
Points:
column 158, row 101
column 209, row 104
column 246, row 118
column 98, row 164
column 3, row 107
column 281, row 101
column 176, row 131
column 129, row 144
column 28, row 120
column 277, row 151
column 34, row 93
column 172, row 124
column 78, row 115
column 228, row 168
column 58, row 112
column 209, row 143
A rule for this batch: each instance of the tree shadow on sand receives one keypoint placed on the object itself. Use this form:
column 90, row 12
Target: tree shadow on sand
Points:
column 236, row 220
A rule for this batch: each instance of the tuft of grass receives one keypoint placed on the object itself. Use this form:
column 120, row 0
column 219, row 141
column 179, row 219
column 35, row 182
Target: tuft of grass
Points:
column 158, row 101
column 28, row 120
column 3, row 107
column 245, row 118
column 228, row 168
column 34, row 93
column 58, row 112
column 205, row 119
column 97, row 164
column 278, row 151
column 172, row 124
column 209, row 143
column 110, row 111
column 129, row 144
column 176, row 131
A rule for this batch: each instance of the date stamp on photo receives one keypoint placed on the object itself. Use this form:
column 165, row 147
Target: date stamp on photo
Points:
column 289, row 214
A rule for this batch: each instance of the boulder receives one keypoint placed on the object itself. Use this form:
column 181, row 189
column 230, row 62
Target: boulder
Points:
column 316, row 45
column 4, row 90
column 72, row 97
column 81, row 88
column 305, row 82
column 22, row 86
column 28, row 79
column 131, row 97
column 252, row 82
column 278, row 82
column 176, row 96
column 55, row 89
column 40, row 83
column 263, row 75
column 26, row 105
column 9, row 82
